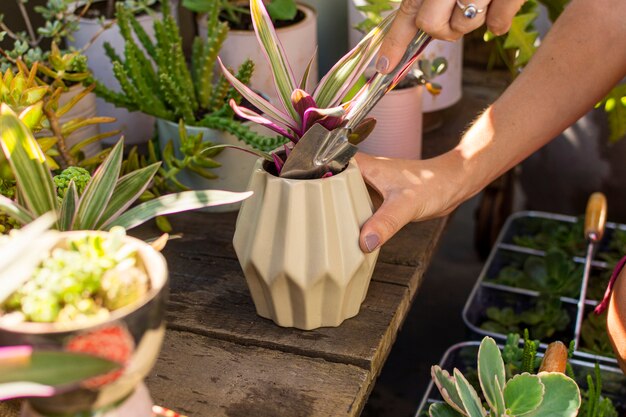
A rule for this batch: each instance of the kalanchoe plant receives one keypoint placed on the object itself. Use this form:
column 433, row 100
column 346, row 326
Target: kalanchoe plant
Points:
column 106, row 197
column 547, row 394
column 301, row 109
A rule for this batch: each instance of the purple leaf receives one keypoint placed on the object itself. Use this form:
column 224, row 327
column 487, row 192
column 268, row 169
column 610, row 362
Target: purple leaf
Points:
column 257, row 118
column 302, row 101
column 278, row 162
column 329, row 118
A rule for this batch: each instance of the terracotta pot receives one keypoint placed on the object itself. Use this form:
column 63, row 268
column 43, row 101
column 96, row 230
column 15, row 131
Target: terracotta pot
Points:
column 298, row 244
column 84, row 109
column 299, row 43
column 133, row 334
column 616, row 319
column 233, row 175
column 398, row 131
column 136, row 127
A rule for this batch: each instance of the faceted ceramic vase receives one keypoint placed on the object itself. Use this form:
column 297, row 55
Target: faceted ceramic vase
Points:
column 298, row 245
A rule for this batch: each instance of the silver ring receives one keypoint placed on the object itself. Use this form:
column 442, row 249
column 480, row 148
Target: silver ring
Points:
column 470, row 11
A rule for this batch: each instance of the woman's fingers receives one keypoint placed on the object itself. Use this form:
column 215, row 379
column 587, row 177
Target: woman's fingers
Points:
column 468, row 15
column 500, row 15
column 402, row 30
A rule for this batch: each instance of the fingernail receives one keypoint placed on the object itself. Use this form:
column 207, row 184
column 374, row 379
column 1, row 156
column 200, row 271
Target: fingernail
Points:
column 382, row 64
column 371, row 242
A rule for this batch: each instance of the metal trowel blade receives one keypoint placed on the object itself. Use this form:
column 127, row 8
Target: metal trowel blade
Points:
column 317, row 152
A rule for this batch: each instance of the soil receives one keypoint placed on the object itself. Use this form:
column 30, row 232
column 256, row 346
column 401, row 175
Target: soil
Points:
column 244, row 21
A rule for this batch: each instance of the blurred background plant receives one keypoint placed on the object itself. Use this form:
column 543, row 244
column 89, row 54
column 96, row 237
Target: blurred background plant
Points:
column 234, row 11
column 516, row 48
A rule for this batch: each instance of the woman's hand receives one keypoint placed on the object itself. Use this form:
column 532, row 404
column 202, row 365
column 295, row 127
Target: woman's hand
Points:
column 411, row 190
column 442, row 19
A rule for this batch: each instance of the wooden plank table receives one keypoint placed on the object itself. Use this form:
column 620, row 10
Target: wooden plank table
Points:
column 221, row 359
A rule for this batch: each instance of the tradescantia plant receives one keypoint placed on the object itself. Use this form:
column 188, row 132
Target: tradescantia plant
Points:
column 106, row 196
column 546, row 394
column 300, row 109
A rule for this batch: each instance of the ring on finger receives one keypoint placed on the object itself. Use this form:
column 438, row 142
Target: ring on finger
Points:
column 470, row 10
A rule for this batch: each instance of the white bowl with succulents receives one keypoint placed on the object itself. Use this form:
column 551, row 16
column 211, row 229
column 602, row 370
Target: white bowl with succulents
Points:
column 97, row 293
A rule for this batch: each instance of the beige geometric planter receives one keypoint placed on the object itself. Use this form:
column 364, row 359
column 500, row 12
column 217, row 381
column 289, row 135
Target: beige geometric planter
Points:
column 298, row 245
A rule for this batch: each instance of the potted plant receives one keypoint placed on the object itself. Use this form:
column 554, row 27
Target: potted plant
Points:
column 84, row 202
column 81, row 293
column 296, row 26
column 97, row 26
column 297, row 240
column 548, row 393
column 160, row 83
column 59, row 68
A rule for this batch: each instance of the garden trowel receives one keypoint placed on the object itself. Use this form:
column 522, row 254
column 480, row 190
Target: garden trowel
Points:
column 320, row 150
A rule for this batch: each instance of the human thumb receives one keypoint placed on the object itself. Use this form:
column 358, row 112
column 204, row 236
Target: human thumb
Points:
column 392, row 215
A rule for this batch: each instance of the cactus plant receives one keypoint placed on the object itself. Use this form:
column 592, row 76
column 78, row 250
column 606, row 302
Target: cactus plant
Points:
column 545, row 394
column 160, row 83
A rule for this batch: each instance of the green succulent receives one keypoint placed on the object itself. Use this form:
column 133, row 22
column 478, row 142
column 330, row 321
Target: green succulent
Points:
column 547, row 394
column 80, row 176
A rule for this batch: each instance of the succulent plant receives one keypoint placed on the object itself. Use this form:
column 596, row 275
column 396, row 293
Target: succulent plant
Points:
column 106, row 197
column 301, row 110
column 546, row 394
column 159, row 82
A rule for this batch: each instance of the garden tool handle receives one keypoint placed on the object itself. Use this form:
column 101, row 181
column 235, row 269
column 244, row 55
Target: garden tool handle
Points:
column 555, row 358
column 595, row 217
column 375, row 88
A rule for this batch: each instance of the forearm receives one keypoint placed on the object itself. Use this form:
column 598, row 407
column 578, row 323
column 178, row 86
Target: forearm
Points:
column 581, row 59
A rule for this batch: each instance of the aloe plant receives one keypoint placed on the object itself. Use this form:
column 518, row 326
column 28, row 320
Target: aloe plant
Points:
column 300, row 109
column 546, row 394
column 159, row 82
column 106, row 198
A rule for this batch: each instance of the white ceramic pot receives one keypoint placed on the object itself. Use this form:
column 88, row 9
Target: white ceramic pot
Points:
column 298, row 244
column 398, row 131
column 83, row 109
column 233, row 175
column 299, row 42
column 136, row 127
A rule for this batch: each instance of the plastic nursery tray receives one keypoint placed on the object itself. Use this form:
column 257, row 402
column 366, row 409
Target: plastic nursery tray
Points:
column 507, row 251
column 463, row 356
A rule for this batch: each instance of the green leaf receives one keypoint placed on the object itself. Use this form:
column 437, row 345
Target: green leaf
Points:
column 447, row 388
column 442, row 410
column 523, row 394
column 28, row 163
column 615, row 106
column 282, row 9
column 339, row 79
column 46, row 373
column 127, row 190
column 522, row 38
column 561, row 398
column 14, row 210
column 174, row 203
column 98, row 192
column 31, row 116
column 469, row 397
column 490, row 365
column 68, row 207
column 283, row 76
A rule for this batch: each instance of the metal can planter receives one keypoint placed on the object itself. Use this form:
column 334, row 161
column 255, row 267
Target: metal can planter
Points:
column 298, row 244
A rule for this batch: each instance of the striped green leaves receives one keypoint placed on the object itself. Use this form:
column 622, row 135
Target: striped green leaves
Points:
column 27, row 163
column 283, row 76
column 174, row 203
